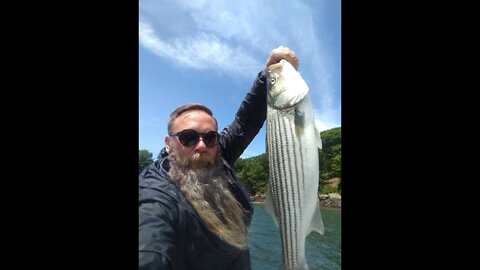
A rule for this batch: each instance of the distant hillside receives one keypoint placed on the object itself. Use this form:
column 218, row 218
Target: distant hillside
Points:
column 331, row 160
column 253, row 171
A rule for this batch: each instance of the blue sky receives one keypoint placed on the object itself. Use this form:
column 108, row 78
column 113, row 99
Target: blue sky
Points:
column 210, row 52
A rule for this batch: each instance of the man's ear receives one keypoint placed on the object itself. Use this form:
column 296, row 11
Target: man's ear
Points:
column 167, row 143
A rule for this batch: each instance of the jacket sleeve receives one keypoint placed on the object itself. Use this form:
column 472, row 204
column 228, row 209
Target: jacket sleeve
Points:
column 156, row 236
column 248, row 121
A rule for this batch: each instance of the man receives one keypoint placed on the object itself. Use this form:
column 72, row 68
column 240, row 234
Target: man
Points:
column 193, row 211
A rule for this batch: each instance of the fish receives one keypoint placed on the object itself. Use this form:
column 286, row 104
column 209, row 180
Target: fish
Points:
column 292, row 143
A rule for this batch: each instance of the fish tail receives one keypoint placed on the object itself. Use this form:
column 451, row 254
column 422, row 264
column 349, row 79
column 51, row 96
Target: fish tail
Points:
column 316, row 224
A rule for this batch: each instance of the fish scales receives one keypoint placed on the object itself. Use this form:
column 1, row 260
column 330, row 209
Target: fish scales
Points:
column 292, row 142
column 288, row 194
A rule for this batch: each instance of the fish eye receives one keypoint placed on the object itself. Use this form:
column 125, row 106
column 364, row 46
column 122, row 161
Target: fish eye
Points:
column 272, row 81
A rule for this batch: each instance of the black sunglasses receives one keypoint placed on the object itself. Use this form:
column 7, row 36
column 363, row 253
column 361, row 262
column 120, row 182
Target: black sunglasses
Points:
column 190, row 137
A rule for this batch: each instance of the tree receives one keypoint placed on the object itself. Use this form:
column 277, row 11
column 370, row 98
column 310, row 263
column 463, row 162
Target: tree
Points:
column 253, row 173
column 330, row 156
column 144, row 159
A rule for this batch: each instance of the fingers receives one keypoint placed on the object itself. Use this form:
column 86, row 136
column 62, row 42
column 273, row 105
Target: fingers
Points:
column 280, row 53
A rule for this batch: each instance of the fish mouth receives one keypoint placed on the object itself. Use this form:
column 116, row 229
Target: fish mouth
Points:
column 273, row 73
column 275, row 66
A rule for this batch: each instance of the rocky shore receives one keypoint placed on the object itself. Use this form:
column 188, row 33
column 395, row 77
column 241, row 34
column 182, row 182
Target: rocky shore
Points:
column 331, row 200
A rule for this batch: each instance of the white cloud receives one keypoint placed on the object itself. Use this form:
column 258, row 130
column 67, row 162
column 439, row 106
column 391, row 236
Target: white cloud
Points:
column 148, row 39
column 255, row 27
column 200, row 52
column 235, row 37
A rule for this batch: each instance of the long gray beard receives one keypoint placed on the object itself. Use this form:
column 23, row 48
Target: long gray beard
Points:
column 203, row 182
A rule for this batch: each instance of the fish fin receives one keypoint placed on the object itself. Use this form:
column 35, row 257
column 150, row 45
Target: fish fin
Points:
column 269, row 205
column 299, row 122
column 317, row 131
column 316, row 224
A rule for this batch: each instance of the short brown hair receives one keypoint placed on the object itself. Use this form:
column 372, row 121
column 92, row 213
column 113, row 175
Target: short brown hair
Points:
column 189, row 107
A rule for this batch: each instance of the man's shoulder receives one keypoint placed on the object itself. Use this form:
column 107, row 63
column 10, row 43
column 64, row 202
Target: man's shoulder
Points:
column 155, row 184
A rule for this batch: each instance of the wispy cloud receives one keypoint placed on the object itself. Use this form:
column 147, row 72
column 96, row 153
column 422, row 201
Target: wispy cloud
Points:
column 200, row 52
column 235, row 37
column 225, row 35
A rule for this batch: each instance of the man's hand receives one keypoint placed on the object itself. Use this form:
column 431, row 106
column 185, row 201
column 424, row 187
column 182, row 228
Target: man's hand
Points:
column 282, row 53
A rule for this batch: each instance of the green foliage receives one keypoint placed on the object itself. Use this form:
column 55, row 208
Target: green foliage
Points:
column 253, row 172
column 144, row 159
column 331, row 154
column 327, row 189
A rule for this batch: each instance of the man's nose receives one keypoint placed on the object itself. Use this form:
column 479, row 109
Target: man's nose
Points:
column 201, row 145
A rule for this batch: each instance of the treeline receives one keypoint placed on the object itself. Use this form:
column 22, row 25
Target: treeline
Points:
column 145, row 158
column 253, row 171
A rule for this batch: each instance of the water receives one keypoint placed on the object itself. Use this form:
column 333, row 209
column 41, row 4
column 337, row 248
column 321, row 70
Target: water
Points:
column 323, row 252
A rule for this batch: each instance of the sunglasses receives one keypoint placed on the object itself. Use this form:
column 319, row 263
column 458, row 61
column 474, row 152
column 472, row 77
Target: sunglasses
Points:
column 190, row 137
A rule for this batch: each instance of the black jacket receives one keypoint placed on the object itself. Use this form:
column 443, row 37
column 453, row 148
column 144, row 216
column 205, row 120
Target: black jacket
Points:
column 171, row 235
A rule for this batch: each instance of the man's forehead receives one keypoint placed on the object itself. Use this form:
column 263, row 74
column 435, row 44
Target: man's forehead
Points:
column 194, row 116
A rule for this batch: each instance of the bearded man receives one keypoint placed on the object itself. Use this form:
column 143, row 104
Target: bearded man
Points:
column 193, row 211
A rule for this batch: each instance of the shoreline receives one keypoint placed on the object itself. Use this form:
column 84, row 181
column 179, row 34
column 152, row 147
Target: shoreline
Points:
column 322, row 206
column 328, row 200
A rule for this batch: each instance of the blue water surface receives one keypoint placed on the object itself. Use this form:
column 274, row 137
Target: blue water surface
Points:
column 323, row 252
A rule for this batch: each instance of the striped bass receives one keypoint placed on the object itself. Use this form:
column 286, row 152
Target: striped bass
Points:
column 292, row 141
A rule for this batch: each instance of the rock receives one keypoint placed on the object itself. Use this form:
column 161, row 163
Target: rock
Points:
column 323, row 197
column 333, row 200
column 335, row 196
column 258, row 198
